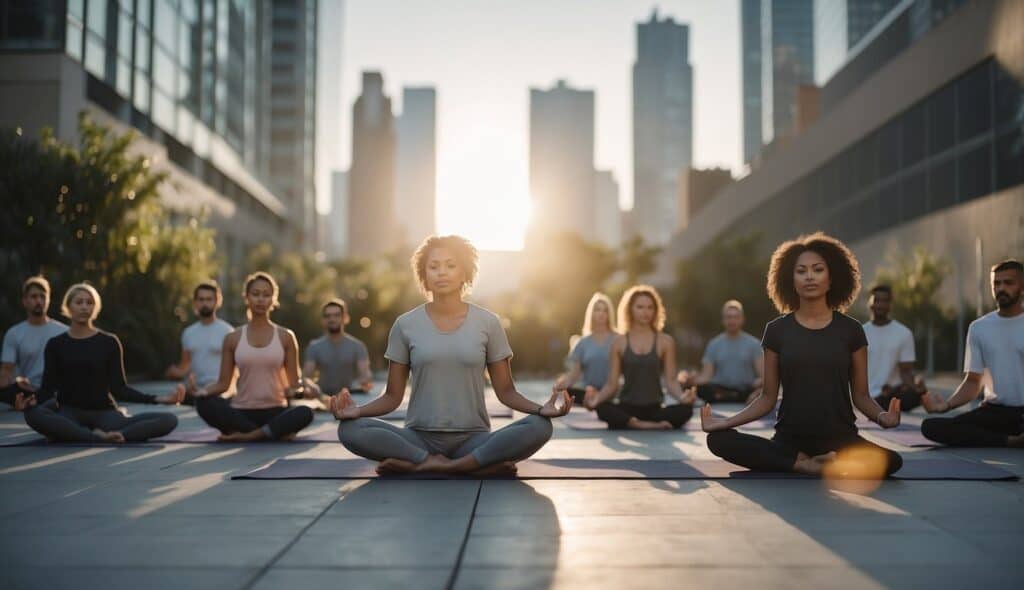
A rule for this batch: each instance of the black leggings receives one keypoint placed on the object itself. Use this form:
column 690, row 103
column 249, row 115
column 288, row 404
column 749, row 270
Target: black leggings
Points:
column 712, row 394
column 275, row 422
column 68, row 424
column 987, row 426
column 617, row 415
column 910, row 397
column 780, row 453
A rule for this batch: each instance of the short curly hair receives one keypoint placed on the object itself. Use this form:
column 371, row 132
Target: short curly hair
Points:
column 843, row 270
column 626, row 304
column 464, row 251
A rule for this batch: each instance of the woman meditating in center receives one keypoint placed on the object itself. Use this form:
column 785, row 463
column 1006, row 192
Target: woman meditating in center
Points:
column 446, row 344
column 643, row 355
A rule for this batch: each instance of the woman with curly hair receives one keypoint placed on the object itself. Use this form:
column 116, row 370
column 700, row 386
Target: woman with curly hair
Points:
column 819, row 357
column 643, row 355
column 445, row 344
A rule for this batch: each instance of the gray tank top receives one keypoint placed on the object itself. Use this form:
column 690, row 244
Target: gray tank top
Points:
column 642, row 375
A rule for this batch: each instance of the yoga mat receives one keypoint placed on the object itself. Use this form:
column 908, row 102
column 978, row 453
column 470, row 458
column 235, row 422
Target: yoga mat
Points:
column 921, row 469
column 495, row 409
column 908, row 437
column 589, row 421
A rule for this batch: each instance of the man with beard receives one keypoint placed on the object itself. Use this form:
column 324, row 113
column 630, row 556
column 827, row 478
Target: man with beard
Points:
column 21, row 365
column 336, row 358
column 995, row 360
column 890, row 355
column 202, row 341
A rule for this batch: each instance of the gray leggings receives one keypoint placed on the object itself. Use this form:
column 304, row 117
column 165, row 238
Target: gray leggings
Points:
column 378, row 440
column 68, row 424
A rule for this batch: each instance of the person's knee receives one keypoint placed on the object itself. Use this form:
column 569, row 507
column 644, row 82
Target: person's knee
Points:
column 304, row 416
column 349, row 431
column 541, row 428
column 205, row 407
column 168, row 421
column 895, row 463
column 718, row 442
column 934, row 429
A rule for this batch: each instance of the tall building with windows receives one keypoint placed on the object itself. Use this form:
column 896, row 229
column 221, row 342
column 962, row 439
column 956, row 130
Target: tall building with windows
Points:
column 416, row 164
column 750, row 65
column 839, row 25
column 923, row 147
column 607, row 213
column 562, row 158
column 371, row 177
column 288, row 32
column 662, row 123
column 188, row 75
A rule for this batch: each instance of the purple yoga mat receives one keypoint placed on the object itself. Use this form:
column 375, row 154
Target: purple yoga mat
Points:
column 589, row 421
column 922, row 469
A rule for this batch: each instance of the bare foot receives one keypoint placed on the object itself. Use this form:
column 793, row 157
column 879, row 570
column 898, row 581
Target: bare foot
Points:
column 504, row 468
column 638, row 424
column 110, row 437
column 813, row 465
column 251, row 436
column 436, row 463
column 288, row 437
column 390, row 466
column 1015, row 441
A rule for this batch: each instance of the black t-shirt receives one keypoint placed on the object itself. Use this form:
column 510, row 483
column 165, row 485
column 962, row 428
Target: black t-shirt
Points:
column 84, row 372
column 814, row 371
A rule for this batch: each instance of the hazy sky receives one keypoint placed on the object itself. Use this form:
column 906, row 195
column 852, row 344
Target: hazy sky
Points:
column 483, row 56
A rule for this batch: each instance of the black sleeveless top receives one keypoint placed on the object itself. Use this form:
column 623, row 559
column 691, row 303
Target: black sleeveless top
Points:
column 642, row 373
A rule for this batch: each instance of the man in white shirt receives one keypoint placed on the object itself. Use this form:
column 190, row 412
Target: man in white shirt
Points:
column 201, row 342
column 994, row 361
column 22, row 361
column 890, row 355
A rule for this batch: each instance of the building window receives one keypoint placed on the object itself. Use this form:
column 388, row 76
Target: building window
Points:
column 32, row 25
column 914, row 201
column 974, row 102
column 974, row 171
column 914, row 136
column 942, row 185
column 941, row 120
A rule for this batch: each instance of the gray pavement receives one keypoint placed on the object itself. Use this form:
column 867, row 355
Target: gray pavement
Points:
column 168, row 516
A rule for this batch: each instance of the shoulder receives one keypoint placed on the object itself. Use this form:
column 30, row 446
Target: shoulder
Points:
column 750, row 338
column 984, row 320
column 316, row 342
column 848, row 322
column 354, row 340
column 411, row 316
column 233, row 336
column 666, row 339
column 57, row 327
column 716, row 340
column 108, row 338
column 483, row 313
column 286, row 334
column 619, row 342
column 902, row 329
column 225, row 326
column 190, row 330
column 15, row 330
column 58, row 340
column 780, row 322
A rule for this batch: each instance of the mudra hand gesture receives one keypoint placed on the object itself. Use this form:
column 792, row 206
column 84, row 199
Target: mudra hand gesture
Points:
column 551, row 409
column 343, row 406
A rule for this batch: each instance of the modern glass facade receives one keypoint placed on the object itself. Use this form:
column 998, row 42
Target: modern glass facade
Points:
column 787, row 50
column 962, row 142
column 750, row 55
column 189, row 74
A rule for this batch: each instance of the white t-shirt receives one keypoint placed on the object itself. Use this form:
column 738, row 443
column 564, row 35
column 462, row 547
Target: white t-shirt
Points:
column 204, row 343
column 888, row 346
column 995, row 348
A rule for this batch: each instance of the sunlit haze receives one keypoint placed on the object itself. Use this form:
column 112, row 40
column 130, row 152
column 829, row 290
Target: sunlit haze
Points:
column 484, row 56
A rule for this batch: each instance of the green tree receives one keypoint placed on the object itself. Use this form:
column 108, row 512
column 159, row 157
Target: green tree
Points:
column 916, row 279
column 92, row 212
column 727, row 268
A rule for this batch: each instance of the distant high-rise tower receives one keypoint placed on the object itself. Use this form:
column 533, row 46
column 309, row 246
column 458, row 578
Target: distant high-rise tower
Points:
column 607, row 214
column 662, row 124
column 337, row 219
column 778, row 40
column 416, row 164
column 562, row 158
column 289, row 107
column 371, row 218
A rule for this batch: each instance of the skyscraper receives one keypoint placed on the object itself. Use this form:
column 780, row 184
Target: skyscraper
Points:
column 337, row 219
column 416, row 164
column 562, row 158
column 608, row 216
column 290, row 107
column 838, row 26
column 778, row 39
column 750, row 56
column 371, row 194
column 662, row 124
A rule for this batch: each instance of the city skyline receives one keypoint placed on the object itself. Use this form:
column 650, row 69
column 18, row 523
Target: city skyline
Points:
column 483, row 79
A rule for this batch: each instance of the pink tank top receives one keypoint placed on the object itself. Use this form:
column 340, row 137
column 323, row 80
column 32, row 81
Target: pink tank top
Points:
column 261, row 377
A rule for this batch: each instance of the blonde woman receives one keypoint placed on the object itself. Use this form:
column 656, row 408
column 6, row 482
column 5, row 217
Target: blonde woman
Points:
column 84, row 374
column 445, row 344
column 644, row 356
column 591, row 352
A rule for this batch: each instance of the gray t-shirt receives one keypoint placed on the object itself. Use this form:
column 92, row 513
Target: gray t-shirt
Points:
column 995, row 349
column 204, row 343
column 24, row 345
column 593, row 358
column 338, row 362
column 448, row 368
column 733, row 359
